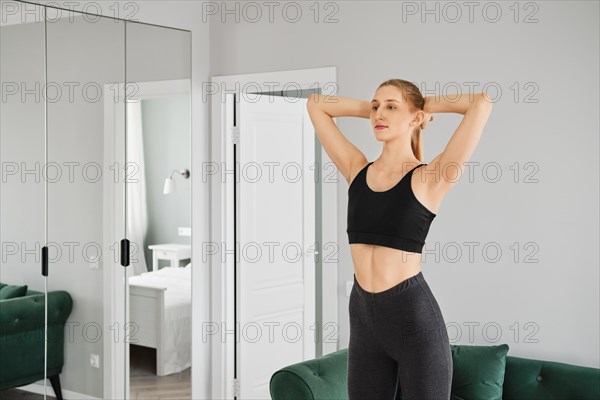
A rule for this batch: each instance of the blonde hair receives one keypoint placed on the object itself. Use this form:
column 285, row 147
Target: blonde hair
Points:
column 412, row 95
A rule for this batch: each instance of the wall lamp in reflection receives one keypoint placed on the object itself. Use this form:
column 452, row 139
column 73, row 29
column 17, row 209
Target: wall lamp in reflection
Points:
column 170, row 182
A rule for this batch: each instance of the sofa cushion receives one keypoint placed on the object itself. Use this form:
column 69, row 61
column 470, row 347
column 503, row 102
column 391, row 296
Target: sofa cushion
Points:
column 478, row 371
column 12, row 291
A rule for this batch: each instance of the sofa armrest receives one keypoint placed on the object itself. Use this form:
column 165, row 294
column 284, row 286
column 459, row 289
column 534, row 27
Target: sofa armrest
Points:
column 321, row 378
column 22, row 337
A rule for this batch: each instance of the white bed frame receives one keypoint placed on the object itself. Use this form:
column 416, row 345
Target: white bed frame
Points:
column 147, row 312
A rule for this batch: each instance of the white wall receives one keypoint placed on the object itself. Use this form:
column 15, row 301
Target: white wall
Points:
column 542, row 136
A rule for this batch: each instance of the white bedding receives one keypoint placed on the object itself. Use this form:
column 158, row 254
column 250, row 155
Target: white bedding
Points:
column 178, row 306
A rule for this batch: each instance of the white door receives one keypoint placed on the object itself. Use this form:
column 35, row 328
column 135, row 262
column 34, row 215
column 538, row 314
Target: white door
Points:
column 276, row 239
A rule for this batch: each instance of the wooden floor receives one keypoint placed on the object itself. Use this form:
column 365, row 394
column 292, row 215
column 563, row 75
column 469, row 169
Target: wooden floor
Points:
column 144, row 384
column 16, row 394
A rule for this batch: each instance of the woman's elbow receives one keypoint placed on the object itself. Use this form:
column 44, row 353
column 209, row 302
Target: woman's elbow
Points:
column 312, row 100
column 485, row 99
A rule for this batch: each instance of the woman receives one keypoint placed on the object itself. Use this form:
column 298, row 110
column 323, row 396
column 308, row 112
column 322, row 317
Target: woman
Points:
column 398, row 338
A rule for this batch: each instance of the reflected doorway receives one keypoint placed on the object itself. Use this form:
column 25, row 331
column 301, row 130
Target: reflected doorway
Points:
column 159, row 220
column 157, row 342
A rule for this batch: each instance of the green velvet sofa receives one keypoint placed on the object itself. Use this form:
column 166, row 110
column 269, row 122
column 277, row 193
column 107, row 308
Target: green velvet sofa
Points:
column 22, row 338
column 325, row 378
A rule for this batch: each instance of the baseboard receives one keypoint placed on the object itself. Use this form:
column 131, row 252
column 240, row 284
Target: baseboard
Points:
column 38, row 388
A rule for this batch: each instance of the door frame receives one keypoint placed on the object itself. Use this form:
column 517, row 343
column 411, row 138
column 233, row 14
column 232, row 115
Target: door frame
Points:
column 222, row 362
column 115, row 358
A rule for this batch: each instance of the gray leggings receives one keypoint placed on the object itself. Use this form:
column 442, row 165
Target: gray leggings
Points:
column 398, row 344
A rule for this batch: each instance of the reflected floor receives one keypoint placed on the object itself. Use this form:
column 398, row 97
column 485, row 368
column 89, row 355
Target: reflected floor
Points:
column 16, row 394
column 144, row 384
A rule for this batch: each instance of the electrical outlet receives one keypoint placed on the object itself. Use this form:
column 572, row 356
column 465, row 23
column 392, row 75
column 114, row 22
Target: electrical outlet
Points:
column 184, row 231
column 95, row 360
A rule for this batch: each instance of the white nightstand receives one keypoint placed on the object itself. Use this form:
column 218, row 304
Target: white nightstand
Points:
column 170, row 251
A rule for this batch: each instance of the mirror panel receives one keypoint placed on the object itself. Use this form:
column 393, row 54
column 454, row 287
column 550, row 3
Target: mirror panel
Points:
column 22, row 199
column 86, row 65
column 64, row 146
column 158, row 155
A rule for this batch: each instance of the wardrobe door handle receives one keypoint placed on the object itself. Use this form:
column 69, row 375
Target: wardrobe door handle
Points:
column 124, row 252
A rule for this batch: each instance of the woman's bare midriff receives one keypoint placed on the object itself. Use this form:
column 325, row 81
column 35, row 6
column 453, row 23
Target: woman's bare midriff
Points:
column 379, row 268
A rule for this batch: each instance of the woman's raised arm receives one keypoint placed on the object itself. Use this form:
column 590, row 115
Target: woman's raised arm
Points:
column 322, row 109
column 476, row 109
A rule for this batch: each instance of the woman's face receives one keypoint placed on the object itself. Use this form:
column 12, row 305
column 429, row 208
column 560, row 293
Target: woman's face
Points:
column 390, row 111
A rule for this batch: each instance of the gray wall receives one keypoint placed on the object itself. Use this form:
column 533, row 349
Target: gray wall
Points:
column 166, row 123
column 542, row 136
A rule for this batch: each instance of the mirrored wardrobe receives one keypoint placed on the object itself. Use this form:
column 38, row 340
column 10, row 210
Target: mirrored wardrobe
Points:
column 95, row 196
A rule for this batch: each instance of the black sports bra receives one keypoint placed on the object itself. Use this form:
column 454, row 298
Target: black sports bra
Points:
column 393, row 218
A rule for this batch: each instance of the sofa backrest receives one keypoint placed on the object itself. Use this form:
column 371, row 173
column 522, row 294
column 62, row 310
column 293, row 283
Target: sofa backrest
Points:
column 325, row 377
column 31, row 292
column 27, row 312
column 526, row 378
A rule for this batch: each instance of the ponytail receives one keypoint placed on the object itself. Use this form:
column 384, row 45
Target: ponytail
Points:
column 416, row 143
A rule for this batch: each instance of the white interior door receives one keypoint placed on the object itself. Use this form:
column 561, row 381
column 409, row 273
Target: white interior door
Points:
column 276, row 240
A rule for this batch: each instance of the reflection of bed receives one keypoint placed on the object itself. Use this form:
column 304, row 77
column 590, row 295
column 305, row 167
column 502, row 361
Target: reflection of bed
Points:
column 160, row 304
